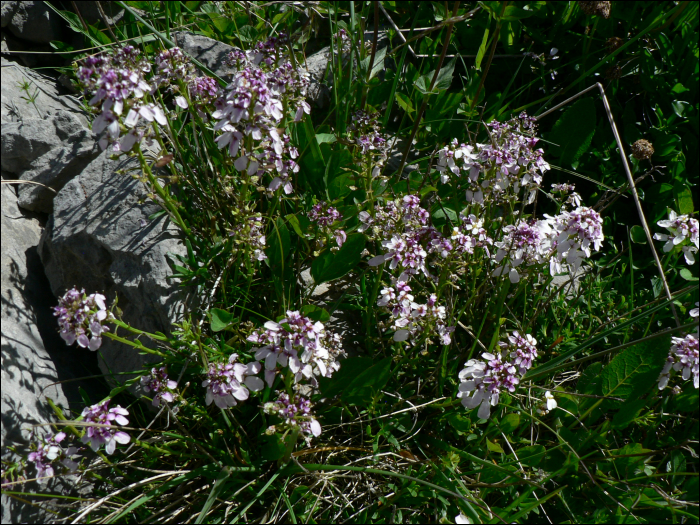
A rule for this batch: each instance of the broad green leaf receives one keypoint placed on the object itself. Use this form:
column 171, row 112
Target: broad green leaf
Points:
column 443, row 215
column 687, row 275
column 442, row 82
column 509, row 423
column 279, row 243
column 630, row 466
column 404, row 103
column 531, row 456
column 338, row 163
column 361, row 390
column 574, row 131
column 350, row 368
column 515, row 13
column 627, row 413
column 220, row 319
column 684, row 198
column 333, row 265
column 637, row 234
column 494, row 447
column 271, row 448
column 315, row 312
column 300, row 223
column 377, row 66
column 325, row 138
column 635, row 370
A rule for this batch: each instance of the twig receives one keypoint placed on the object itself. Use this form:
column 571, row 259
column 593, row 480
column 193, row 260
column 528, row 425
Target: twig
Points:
column 398, row 31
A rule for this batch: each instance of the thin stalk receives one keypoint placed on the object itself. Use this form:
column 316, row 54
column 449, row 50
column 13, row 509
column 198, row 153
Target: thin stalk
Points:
column 419, row 115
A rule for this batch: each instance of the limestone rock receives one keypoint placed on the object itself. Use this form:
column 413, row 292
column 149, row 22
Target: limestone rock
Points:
column 50, row 152
column 100, row 238
column 30, row 349
column 209, row 52
column 36, row 23
column 13, row 104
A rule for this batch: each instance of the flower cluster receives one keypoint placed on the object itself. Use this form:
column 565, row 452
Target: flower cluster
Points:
column 568, row 191
column 253, row 107
column 364, row 132
column 488, row 378
column 298, row 342
column 80, row 316
column 106, row 434
column 523, row 350
column 249, row 235
column 325, row 216
column 525, row 242
column 117, row 86
column 159, row 383
column 498, row 170
column 48, row 453
column 395, row 217
column 411, row 319
column 228, row 383
column 683, row 228
column 574, row 234
column 296, row 413
column 683, row 357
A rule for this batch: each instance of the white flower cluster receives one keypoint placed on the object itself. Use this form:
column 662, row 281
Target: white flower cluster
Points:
column 507, row 164
column 488, row 378
column 299, row 343
column 682, row 228
column 410, row 319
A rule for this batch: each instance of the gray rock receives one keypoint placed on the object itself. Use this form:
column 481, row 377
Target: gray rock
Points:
column 13, row 104
column 7, row 11
column 91, row 14
column 99, row 238
column 36, row 23
column 29, row 374
column 319, row 92
column 209, row 52
column 50, row 152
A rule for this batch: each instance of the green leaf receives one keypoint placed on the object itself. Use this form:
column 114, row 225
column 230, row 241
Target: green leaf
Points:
column 634, row 371
column 684, row 198
column 377, row 66
column 333, row 265
column 300, row 223
column 687, row 275
column 361, row 389
column 442, row 215
column 271, row 448
column 629, row 467
column 220, row 319
column 482, row 49
column 315, row 313
column 336, row 178
column 494, row 447
column 574, row 131
column 531, row 456
column 279, row 242
column 515, row 13
column 349, row 370
column 459, row 421
column 327, row 138
column 627, row 413
column 637, row 234
column 442, row 83
column 509, row 423
column 404, row 103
